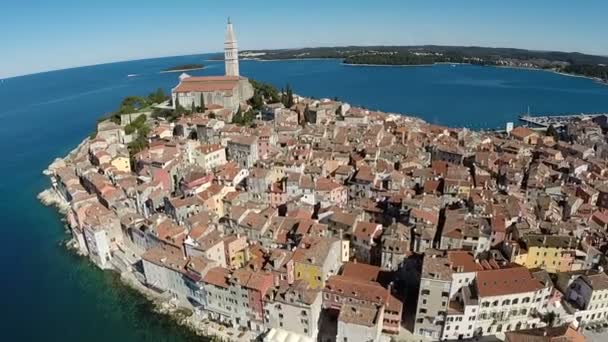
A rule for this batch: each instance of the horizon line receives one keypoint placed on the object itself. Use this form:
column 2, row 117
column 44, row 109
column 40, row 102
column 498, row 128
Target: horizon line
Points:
column 2, row 78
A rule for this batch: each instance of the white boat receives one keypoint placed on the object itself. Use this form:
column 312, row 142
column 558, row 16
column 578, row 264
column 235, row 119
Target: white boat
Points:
column 132, row 75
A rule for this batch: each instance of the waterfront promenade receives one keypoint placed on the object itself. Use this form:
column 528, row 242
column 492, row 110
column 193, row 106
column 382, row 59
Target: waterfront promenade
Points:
column 556, row 120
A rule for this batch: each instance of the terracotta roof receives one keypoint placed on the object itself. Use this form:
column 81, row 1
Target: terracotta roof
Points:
column 361, row 271
column 365, row 315
column 463, row 261
column 562, row 333
column 207, row 84
column 506, row 281
column 369, row 291
column 521, row 132
column 217, row 276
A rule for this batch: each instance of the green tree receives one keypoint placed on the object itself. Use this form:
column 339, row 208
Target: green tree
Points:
column 306, row 115
column 288, row 97
column 203, row 107
column 193, row 109
column 257, row 101
column 179, row 110
column 157, row 96
column 237, row 118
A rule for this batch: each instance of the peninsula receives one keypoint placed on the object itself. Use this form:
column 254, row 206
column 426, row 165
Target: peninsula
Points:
column 564, row 62
column 258, row 213
column 184, row 67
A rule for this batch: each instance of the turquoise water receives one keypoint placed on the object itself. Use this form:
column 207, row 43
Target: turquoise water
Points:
column 49, row 294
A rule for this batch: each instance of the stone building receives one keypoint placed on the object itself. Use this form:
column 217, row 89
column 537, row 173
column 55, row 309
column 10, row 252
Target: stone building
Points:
column 228, row 91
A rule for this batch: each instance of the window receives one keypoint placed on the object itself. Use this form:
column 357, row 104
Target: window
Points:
column 423, row 311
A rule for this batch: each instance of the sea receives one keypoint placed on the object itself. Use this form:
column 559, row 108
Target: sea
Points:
column 52, row 295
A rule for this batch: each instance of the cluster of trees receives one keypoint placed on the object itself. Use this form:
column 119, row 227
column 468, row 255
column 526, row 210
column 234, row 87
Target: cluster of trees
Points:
column 406, row 59
column 243, row 118
column 136, row 124
column 141, row 127
column 132, row 104
column 263, row 93
column 173, row 115
column 287, row 96
column 568, row 62
column 466, row 51
column 589, row 70
column 185, row 67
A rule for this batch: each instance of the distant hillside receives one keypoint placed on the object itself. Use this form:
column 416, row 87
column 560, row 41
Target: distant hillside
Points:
column 567, row 62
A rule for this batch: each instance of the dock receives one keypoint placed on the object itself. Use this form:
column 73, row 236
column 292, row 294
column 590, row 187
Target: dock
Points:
column 556, row 120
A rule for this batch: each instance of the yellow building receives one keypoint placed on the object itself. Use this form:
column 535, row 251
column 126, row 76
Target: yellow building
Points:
column 552, row 253
column 121, row 164
column 316, row 259
column 237, row 252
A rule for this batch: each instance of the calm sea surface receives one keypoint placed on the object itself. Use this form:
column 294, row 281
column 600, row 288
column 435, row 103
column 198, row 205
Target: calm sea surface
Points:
column 49, row 294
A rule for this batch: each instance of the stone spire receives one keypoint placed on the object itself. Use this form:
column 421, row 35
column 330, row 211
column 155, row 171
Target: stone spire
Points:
column 231, row 52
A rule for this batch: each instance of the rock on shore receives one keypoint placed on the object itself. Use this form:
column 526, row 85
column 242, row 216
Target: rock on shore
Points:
column 49, row 197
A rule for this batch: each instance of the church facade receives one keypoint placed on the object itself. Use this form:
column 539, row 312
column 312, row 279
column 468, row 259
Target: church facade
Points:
column 228, row 91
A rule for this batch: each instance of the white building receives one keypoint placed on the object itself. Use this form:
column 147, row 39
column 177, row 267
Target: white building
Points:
column 164, row 270
column 510, row 299
column 589, row 294
column 360, row 323
column 98, row 244
column 296, row 309
column 210, row 156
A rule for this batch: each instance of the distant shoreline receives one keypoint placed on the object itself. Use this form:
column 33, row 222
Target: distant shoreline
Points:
column 596, row 79
column 180, row 70
column 392, row 65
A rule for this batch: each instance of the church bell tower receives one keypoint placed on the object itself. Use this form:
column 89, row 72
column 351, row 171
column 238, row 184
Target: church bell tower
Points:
column 231, row 52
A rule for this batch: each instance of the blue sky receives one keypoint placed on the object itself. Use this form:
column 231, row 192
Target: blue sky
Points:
column 53, row 34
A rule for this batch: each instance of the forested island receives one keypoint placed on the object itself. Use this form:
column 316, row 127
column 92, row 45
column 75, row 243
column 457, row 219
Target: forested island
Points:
column 184, row 67
column 564, row 62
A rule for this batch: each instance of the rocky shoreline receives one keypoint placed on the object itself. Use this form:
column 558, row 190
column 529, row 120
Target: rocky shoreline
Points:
column 169, row 308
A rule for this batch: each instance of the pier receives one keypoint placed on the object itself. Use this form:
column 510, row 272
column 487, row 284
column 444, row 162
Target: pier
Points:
column 556, row 120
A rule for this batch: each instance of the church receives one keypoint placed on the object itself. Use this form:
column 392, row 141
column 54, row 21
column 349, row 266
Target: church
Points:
column 227, row 91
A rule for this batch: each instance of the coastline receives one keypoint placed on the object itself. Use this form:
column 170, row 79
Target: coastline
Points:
column 596, row 79
column 179, row 70
column 160, row 304
column 392, row 65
